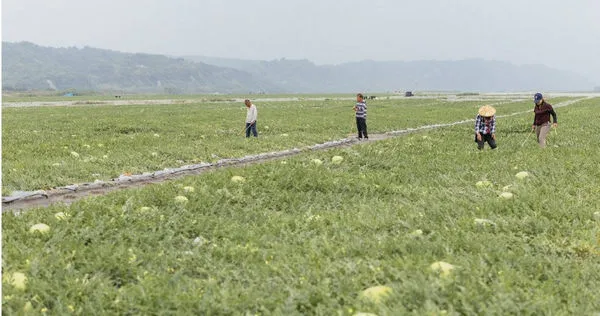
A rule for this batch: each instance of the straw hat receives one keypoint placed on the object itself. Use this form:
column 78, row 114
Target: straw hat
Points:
column 487, row 110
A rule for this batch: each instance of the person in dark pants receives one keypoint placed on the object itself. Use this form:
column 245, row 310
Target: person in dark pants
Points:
column 541, row 119
column 485, row 127
column 361, row 116
column 251, row 115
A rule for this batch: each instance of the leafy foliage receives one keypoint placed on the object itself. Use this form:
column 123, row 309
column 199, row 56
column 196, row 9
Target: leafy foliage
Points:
column 111, row 140
column 300, row 238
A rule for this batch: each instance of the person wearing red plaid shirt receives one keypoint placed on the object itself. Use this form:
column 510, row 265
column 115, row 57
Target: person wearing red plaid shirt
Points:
column 485, row 127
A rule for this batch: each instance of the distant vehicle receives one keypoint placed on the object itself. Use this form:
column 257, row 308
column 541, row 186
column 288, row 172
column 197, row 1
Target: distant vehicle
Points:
column 409, row 94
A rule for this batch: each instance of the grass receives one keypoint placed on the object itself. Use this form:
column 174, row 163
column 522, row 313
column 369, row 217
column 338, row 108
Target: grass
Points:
column 44, row 147
column 297, row 238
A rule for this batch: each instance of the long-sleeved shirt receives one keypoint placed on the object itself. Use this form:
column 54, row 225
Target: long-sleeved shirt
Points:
column 361, row 109
column 251, row 114
column 542, row 114
column 485, row 125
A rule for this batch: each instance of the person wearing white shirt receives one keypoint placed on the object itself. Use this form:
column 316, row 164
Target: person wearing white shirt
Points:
column 251, row 115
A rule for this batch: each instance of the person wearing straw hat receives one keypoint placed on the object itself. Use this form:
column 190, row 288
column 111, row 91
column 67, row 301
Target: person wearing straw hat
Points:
column 541, row 119
column 485, row 127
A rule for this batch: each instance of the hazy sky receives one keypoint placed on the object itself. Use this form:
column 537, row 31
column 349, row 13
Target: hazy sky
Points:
column 558, row 33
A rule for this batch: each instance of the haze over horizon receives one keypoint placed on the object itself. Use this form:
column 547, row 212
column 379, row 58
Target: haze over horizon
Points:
column 554, row 33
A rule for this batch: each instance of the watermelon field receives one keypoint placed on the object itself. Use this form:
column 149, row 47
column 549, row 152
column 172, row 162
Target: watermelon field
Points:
column 422, row 223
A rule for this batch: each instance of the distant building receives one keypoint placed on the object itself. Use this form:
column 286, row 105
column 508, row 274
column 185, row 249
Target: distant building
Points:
column 408, row 94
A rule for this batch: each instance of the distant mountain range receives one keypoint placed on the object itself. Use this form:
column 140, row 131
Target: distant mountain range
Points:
column 476, row 75
column 26, row 66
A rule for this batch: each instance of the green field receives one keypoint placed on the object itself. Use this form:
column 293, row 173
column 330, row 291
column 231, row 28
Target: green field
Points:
column 298, row 238
column 44, row 147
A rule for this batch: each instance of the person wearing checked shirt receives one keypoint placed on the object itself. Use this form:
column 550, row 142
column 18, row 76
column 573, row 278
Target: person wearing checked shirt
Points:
column 485, row 127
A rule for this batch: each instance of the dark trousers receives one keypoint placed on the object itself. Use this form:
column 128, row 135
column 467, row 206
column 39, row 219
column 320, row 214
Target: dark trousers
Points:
column 485, row 138
column 361, row 125
column 251, row 127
